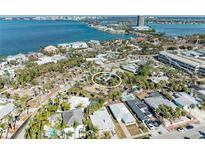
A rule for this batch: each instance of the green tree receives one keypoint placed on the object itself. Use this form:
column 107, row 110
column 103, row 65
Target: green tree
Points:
column 106, row 135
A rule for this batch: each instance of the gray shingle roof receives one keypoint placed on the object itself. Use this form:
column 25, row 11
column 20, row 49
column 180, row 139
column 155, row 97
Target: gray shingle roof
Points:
column 74, row 115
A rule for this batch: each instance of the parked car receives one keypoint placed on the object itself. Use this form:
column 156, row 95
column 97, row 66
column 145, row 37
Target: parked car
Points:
column 180, row 129
column 189, row 127
column 150, row 126
column 189, row 117
column 156, row 123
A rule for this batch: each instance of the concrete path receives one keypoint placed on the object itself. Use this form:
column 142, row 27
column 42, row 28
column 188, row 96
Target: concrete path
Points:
column 125, row 130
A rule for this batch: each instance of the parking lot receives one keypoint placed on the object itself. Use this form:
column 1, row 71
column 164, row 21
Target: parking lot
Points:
column 195, row 133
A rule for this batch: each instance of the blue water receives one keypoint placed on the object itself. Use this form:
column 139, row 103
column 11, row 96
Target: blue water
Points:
column 28, row 36
column 179, row 29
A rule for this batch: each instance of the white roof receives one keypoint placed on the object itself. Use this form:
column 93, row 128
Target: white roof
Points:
column 6, row 109
column 47, row 59
column 185, row 99
column 202, row 92
column 102, row 120
column 180, row 58
column 122, row 113
column 76, row 100
column 157, row 79
column 18, row 56
column 50, row 48
column 185, row 59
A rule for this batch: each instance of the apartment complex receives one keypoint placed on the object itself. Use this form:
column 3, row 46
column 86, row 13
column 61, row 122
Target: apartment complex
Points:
column 191, row 64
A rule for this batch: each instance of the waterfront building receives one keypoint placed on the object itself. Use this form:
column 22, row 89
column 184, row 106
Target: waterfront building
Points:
column 50, row 49
column 46, row 59
column 140, row 21
column 74, row 45
column 94, row 42
column 18, row 58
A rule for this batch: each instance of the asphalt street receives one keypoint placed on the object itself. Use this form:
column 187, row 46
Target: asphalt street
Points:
column 195, row 133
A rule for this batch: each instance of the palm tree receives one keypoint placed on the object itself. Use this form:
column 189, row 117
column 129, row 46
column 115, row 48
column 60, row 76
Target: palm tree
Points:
column 106, row 135
column 2, row 127
column 95, row 131
column 27, row 133
column 69, row 134
column 9, row 124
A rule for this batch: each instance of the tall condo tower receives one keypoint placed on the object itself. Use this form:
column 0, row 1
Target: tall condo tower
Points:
column 140, row 21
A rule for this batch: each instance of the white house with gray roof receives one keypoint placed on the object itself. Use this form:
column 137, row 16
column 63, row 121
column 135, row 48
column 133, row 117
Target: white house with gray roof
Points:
column 121, row 113
column 102, row 120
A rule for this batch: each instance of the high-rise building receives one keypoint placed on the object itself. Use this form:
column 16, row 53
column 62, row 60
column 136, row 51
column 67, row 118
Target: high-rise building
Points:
column 140, row 21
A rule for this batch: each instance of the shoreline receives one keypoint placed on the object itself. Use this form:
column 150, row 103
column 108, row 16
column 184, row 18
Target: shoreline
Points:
column 100, row 28
column 27, row 52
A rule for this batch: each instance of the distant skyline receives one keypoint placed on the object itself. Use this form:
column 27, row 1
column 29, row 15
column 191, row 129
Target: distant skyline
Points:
column 107, row 15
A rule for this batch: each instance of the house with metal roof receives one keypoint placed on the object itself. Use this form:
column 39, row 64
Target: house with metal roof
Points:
column 138, row 112
column 121, row 113
column 155, row 99
column 102, row 120
column 183, row 99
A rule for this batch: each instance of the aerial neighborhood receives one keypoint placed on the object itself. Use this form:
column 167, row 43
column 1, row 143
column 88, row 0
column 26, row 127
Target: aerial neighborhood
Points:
column 147, row 86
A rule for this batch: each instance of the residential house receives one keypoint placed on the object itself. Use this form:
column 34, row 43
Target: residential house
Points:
column 102, row 120
column 184, row 100
column 77, row 100
column 138, row 109
column 155, row 99
column 122, row 114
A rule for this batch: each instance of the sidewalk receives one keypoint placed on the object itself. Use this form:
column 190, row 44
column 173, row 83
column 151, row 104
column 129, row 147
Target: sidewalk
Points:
column 124, row 128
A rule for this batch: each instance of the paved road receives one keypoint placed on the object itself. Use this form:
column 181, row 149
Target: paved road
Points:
column 193, row 133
